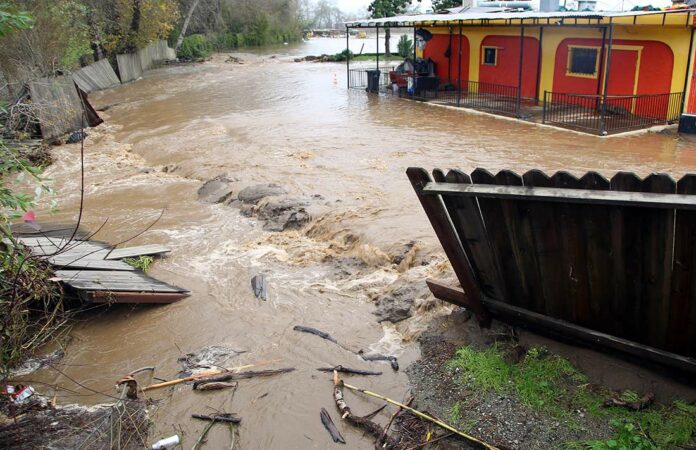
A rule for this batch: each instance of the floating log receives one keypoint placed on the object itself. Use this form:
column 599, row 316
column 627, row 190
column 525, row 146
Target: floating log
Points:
column 348, row 370
column 331, row 427
column 230, row 376
column 226, row 417
column 214, row 386
column 377, row 357
column 314, row 331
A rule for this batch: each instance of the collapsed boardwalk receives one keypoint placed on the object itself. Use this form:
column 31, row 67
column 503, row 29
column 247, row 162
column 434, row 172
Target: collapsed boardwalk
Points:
column 609, row 262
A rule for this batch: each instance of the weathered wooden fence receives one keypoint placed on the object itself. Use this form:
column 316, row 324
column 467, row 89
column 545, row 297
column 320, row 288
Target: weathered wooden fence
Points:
column 608, row 261
column 96, row 76
column 132, row 65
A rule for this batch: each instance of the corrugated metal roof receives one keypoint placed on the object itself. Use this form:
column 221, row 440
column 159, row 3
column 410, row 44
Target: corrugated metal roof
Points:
column 478, row 15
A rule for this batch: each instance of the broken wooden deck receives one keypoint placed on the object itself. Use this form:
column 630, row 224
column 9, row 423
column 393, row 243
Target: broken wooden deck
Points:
column 95, row 270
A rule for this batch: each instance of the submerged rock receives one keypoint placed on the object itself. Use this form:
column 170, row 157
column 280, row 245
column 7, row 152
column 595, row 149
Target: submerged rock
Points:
column 252, row 194
column 217, row 190
column 283, row 214
column 399, row 304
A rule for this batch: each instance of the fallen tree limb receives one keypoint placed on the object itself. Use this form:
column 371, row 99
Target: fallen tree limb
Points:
column 234, row 376
column 423, row 416
column 391, row 359
column 200, row 375
column 374, row 413
column 330, row 426
column 348, row 370
column 226, row 417
column 642, row 403
column 214, row 386
column 356, row 421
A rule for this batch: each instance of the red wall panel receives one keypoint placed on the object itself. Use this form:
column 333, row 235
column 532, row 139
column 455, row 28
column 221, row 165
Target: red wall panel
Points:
column 436, row 48
column 506, row 71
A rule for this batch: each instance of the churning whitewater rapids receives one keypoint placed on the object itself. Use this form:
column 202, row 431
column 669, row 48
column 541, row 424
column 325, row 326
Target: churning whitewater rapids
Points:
column 272, row 120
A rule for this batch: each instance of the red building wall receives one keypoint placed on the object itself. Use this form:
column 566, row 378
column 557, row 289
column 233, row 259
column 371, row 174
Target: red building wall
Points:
column 654, row 73
column 506, row 71
column 436, row 48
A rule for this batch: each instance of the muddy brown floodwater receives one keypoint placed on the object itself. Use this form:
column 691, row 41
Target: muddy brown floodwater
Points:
column 294, row 124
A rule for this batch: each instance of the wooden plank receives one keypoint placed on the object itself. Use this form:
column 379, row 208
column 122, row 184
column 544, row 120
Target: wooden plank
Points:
column 141, row 250
column 681, row 336
column 636, row 199
column 627, row 267
column 86, row 263
column 573, row 259
column 444, row 229
column 518, row 224
column 548, row 248
column 595, row 221
column 565, row 330
column 467, row 220
column 49, row 230
column 98, row 280
column 493, row 211
column 134, row 297
column 658, row 230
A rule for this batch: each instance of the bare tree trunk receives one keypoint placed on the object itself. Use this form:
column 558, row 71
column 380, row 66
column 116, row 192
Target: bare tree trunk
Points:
column 180, row 39
column 387, row 39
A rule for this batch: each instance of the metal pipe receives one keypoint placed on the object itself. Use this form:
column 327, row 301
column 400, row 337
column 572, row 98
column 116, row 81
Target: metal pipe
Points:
column 519, row 70
column 689, row 73
column 377, row 47
column 607, row 71
column 459, row 68
column 538, row 69
column 348, row 56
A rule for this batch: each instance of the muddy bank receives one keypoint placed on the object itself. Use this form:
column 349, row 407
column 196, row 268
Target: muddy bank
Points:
column 501, row 415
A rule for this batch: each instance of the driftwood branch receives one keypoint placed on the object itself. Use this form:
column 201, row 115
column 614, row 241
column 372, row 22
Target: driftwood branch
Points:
column 348, row 370
column 233, row 376
column 391, row 420
column 214, row 385
column 642, row 403
column 226, row 417
column 356, row 421
column 330, row 426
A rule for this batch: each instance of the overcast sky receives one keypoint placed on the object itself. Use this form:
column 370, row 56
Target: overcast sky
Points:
column 606, row 5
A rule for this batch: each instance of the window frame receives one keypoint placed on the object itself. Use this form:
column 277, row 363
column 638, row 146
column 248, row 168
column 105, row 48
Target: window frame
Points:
column 483, row 55
column 569, row 62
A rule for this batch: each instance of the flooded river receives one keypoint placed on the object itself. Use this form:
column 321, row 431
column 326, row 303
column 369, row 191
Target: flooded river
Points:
column 294, row 124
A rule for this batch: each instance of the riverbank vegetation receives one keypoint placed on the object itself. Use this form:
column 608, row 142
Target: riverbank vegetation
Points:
column 548, row 384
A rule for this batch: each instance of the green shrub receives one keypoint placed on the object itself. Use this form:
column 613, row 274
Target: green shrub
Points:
column 405, row 46
column 141, row 262
column 225, row 41
column 194, row 46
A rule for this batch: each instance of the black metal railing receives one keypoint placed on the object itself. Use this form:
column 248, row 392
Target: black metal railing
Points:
column 590, row 113
column 489, row 97
column 358, row 78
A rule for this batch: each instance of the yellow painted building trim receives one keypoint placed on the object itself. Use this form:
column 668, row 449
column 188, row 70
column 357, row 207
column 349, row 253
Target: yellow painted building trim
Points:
column 569, row 62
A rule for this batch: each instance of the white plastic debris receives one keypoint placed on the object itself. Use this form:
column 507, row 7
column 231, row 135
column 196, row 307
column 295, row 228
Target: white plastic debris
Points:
column 163, row 444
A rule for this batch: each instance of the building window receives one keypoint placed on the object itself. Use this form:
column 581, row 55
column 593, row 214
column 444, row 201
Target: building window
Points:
column 583, row 61
column 490, row 56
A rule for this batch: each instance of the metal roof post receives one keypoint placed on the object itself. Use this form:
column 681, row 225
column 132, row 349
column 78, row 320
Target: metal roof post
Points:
column 519, row 73
column 459, row 68
column 607, row 71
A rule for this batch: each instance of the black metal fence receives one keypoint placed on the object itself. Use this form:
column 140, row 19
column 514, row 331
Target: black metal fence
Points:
column 489, row 97
column 357, row 78
column 589, row 113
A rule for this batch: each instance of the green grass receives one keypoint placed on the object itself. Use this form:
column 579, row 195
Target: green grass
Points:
column 141, row 262
column 549, row 384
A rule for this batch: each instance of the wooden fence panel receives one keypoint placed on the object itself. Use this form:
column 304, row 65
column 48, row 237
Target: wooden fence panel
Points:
column 496, row 218
column 681, row 336
column 658, row 251
column 595, row 220
column 573, row 259
column 467, row 220
column 548, row 248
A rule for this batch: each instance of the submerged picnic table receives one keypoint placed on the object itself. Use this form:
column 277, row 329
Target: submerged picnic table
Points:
column 95, row 270
column 610, row 262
